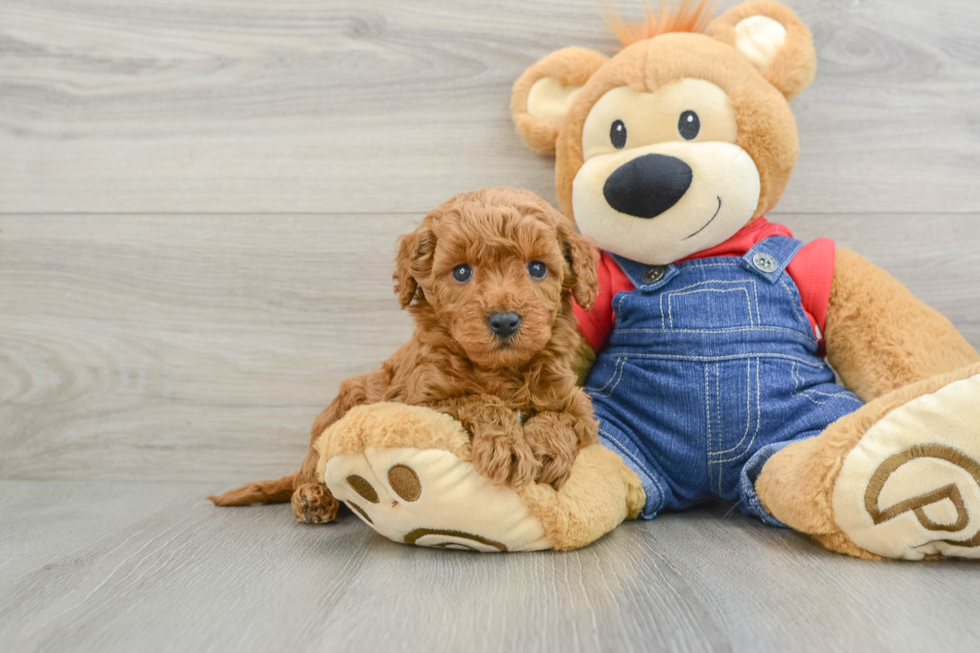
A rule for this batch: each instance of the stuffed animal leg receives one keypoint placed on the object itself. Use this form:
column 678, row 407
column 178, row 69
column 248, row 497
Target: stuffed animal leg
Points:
column 405, row 471
column 900, row 477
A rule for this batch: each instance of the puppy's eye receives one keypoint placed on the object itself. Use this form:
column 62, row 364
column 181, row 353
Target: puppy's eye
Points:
column 617, row 134
column 537, row 270
column 462, row 273
column 689, row 125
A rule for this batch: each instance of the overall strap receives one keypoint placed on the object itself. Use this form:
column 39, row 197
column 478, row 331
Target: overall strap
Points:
column 770, row 256
column 645, row 278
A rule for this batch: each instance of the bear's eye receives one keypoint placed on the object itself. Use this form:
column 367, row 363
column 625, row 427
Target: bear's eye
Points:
column 617, row 134
column 689, row 125
column 462, row 272
column 537, row 270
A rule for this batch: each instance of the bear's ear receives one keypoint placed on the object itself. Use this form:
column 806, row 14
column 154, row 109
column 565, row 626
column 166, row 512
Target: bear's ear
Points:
column 546, row 90
column 777, row 43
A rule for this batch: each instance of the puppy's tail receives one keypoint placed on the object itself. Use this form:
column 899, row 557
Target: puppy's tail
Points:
column 280, row 491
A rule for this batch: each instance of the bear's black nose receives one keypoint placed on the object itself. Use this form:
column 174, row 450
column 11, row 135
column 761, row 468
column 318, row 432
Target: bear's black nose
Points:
column 648, row 185
column 504, row 325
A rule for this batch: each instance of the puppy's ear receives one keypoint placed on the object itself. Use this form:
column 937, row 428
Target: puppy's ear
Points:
column 543, row 95
column 413, row 261
column 583, row 262
column 770, row 36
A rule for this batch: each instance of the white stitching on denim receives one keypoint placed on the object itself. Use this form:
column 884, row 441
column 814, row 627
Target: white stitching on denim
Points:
column 801, row 336
column 748, row 409
column 734, row 263
column 758, row 401
column 622, row 364
column 709, row 417
column 753, row 354
column 792, row 254
column 707, row 404
column 798, row 378
column 797, row 301
column 670, row 296
column 719, row 432
column 663, row 325
column 845, row 394
column 712, row 469
column 619, row 305
column 718, row 417
column 709, row 281
column 755, row 290
column 758, row 420
column 617, row 375
column 640, row 465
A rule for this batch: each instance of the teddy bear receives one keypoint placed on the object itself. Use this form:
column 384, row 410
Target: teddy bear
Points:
column 715, row 336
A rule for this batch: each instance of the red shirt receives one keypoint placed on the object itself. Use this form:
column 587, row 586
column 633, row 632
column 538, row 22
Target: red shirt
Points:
column 812, row 269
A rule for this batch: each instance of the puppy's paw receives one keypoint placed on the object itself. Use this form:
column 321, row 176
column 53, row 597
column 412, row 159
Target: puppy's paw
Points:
column 555, row 446
column 313, row 504
column 504, row 459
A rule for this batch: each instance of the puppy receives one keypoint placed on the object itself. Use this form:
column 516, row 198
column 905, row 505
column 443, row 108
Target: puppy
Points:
column 488, row 277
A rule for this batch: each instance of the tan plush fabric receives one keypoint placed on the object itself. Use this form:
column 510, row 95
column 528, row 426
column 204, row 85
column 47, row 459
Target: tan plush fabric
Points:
column 911, row 485
column 445, row 505
column 767, row 130
column 570, row 68
column 795, row 64
column 390, row 425
column 600, row 493
column 371, row 439
column 880, row 337
column 796, row 485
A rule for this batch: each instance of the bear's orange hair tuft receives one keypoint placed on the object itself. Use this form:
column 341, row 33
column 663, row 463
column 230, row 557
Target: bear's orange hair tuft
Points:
column 688, row 16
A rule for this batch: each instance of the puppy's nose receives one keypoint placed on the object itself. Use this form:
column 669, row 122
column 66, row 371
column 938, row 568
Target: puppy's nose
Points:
column 648, row 185
column 504, row 325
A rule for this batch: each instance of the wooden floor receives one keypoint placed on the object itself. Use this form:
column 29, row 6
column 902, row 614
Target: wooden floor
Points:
column 198, row 209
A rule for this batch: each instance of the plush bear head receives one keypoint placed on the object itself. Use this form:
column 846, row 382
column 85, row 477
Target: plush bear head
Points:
column 679, row 140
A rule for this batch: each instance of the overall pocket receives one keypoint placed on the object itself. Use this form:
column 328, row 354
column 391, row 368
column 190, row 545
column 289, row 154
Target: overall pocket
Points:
column 712, row 304
column 605, row 375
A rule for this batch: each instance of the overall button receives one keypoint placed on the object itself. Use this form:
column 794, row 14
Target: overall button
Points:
column 654, row 273
column 764, row 262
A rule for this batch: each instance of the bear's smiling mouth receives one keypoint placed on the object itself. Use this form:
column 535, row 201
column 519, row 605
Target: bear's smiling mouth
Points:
column 717, row 211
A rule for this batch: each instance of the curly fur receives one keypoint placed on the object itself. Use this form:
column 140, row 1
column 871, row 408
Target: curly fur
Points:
column 518, row 398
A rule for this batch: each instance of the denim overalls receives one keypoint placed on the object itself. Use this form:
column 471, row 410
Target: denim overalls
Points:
column 710, row 369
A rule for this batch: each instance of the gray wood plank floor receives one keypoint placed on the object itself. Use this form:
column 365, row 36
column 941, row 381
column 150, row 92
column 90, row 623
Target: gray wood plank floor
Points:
column 151, row 566
column 198, row 209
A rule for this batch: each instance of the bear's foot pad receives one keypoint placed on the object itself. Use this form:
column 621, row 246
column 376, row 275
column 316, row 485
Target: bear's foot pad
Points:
column 910, row 488
column 429, row 497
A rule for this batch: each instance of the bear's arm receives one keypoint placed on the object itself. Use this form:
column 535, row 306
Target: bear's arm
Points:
column 880, row 337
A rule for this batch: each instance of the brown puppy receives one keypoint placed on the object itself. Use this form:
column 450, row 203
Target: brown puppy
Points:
column 489, row 278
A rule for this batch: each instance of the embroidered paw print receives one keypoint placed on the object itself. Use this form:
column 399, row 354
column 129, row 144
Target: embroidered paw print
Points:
column 402, row 479
column 431, row 498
